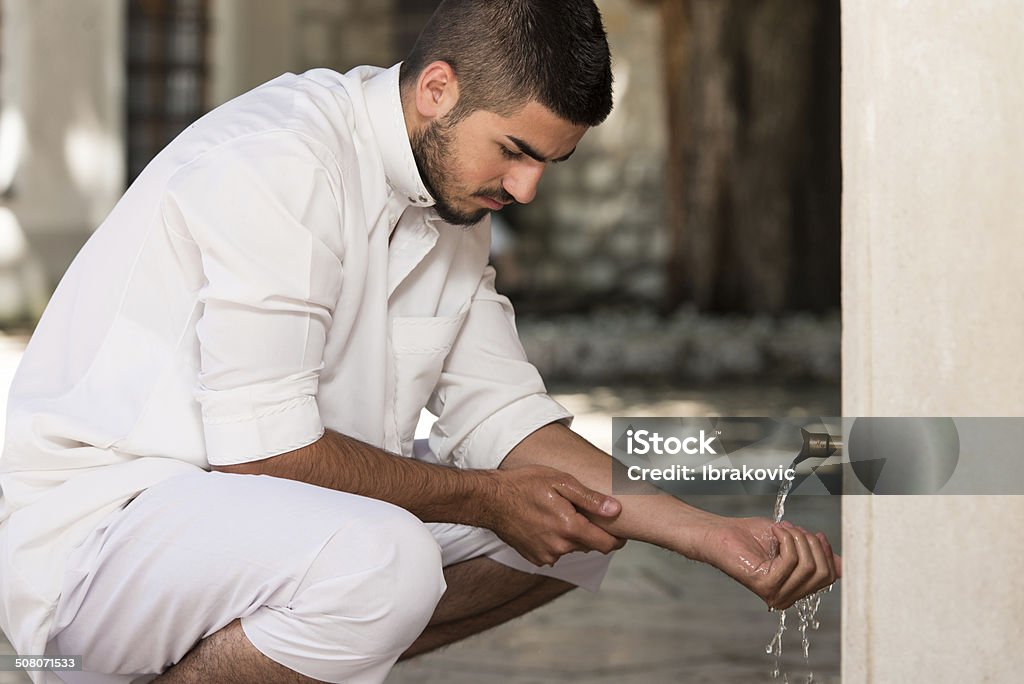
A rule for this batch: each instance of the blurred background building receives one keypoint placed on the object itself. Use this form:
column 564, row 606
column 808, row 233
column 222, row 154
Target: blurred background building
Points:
column 695, row 235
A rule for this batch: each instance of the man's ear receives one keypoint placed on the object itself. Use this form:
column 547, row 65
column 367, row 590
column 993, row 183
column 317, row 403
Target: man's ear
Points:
column 437, row 91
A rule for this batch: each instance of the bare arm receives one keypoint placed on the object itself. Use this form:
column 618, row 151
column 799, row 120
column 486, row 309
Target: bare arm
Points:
column 779, row 563
column 551, row 499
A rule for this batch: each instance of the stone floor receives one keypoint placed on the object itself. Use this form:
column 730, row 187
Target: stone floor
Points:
column 659, row 618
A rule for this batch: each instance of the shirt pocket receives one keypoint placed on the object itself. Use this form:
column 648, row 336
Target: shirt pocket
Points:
column 420, row 346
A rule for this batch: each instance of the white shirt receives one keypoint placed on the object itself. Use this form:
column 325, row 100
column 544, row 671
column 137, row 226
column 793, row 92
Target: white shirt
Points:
column 239, row 298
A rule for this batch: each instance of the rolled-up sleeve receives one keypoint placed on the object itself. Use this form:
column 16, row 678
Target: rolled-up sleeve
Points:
column 260, row 211
column 489, row 396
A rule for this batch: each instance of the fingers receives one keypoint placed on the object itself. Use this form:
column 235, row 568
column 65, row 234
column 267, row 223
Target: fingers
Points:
column 590, row 537
column 835, row 561
column 786, row 558
column 824, row 573
column 806, row 564
column 588, row 500
column 803, row 568
column 559, row 515
column 830, row 556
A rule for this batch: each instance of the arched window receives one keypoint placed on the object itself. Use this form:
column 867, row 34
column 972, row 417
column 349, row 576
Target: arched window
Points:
column 167, row 73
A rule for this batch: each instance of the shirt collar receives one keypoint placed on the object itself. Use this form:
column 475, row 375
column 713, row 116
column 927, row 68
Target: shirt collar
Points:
column 384, row 104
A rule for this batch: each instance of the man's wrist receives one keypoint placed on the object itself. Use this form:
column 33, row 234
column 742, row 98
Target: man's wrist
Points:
column 485, row 497
column 689, row 535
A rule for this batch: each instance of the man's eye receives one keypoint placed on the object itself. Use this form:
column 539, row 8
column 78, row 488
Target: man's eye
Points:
column 509, row 154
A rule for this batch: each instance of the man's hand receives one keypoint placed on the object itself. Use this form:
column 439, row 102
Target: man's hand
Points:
column 544, row 513
column 779, row 562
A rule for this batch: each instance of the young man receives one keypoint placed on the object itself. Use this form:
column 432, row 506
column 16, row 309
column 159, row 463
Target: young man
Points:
column 210, row 470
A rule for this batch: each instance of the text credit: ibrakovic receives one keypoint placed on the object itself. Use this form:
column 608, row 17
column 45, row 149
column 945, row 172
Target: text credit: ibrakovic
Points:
column 710, row 473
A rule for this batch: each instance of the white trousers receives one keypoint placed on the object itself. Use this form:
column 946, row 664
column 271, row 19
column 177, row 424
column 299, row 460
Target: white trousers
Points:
column 331, row 585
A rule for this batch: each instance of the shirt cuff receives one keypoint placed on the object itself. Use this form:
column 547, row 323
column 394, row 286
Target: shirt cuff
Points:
column 287, row 427
column 488, row 445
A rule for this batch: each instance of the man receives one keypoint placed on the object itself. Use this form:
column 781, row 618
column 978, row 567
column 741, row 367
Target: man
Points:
column 210, row 470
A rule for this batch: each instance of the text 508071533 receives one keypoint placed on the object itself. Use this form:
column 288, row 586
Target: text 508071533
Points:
column 15, row 663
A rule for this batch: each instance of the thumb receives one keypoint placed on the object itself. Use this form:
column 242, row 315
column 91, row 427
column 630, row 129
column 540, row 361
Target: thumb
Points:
column 588, row 500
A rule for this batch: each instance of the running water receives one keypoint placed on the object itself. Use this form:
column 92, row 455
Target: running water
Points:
column 806, row 608
column 780, row 501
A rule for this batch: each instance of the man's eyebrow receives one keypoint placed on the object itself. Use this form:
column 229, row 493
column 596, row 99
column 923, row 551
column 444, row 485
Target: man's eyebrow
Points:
column 525, row 148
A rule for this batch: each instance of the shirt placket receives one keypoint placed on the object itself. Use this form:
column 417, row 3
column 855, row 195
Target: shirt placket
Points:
column 412, row 240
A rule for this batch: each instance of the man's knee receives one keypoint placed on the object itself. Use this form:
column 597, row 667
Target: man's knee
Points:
column 400, row 578
column 366, row 597
column 402, row 566
column 411, row 566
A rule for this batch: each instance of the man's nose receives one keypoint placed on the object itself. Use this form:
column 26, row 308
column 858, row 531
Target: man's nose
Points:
column 521, row 182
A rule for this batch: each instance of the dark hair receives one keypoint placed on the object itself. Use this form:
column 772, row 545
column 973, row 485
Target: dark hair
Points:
column 508, row 52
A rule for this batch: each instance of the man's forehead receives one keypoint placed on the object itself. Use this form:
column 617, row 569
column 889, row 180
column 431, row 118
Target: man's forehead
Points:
column 540, row 133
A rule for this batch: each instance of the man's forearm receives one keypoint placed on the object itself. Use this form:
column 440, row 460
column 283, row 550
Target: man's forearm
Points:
column 779, row 563
column 653, row 517
column 433, row 493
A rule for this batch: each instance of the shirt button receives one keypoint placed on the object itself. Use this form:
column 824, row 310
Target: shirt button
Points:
column 413, row 200
column 422, row 198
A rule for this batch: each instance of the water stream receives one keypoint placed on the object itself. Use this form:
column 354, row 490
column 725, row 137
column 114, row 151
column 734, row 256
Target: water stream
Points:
column 806, row 609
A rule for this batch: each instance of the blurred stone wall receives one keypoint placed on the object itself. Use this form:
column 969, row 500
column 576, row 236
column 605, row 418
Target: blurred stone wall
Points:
column 257, row 40
column 343, row 34
column 642, row 347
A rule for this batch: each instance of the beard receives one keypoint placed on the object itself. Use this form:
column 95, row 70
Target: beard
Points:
column 432, row 148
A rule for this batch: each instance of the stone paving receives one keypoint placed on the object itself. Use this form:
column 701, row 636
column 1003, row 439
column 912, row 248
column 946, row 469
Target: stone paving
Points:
column 659, row 617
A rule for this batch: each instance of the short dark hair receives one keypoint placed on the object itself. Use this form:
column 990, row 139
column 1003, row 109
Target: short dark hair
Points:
column 508, row 52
